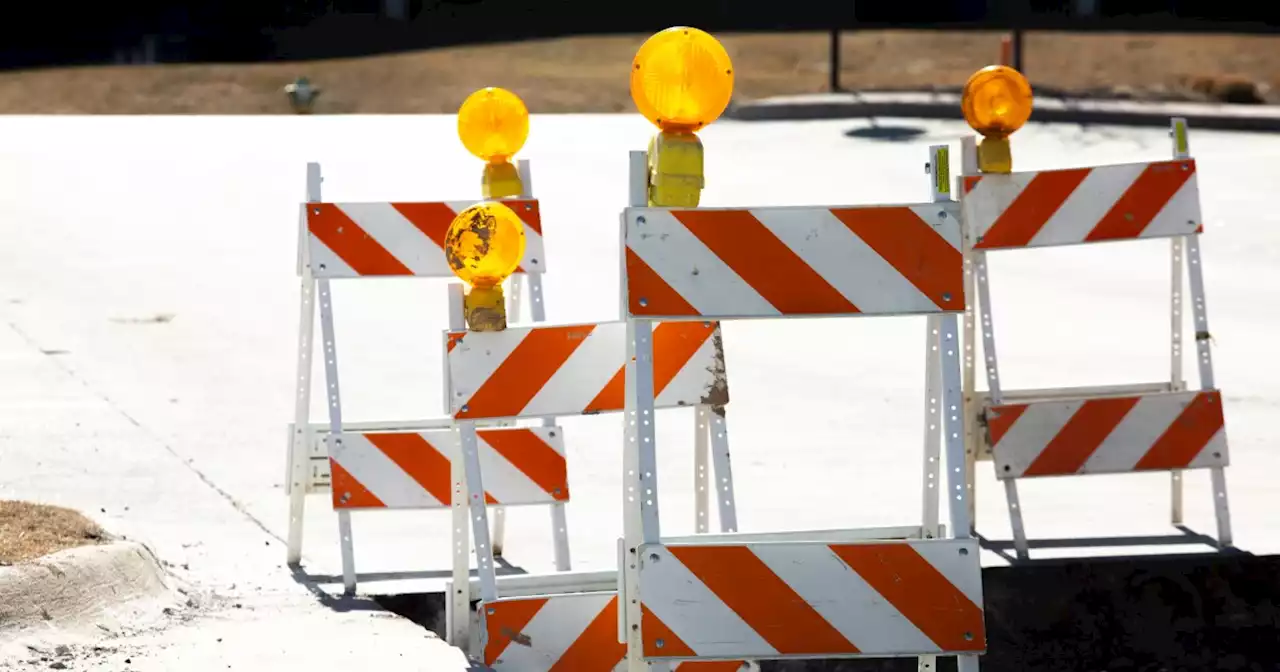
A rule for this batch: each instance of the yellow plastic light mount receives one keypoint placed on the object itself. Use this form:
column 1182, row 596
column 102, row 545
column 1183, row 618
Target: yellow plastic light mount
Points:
column 501, row 180
column 994, row 156
column 681, row 79
column 485, row 309
column 675, row 170
column 493, row 124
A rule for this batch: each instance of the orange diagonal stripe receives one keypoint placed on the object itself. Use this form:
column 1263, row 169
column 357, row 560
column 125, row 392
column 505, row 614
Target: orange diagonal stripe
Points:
column 523, row 373
column 529, row 211
column 710, row 666
column 432, row 219
column 971, row 181
column 506, row 625
column 765, row 263
column 1087, row 428
column 348, row 493
column 1031, row 210
column 913, row 248
column 1000, row 420
column 644, row 284
column 1143, row 200
column 597, row 649
column 419, row 459
column 533, row 457
column 652, row 629
column 455, row 338
column 674, row 344
column 919, row 592
column 351, row 243
column 1187, row 436
column 768, row 605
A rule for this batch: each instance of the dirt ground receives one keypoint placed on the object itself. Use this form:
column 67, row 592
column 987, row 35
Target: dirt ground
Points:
column 589, row 74
column 28, row 531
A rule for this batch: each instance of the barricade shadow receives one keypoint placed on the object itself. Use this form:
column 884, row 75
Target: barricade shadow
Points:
column 373, row 601
column 1186, row 536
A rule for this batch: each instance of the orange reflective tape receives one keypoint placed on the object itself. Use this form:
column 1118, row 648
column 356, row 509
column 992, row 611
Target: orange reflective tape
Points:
column 331, row 226
column 1143, row 200
column 674, row 344
column 423, row 462
column 432, row 219
column 913, row 248
column 525, row 371
column 645, row 285
column 971, row 181
column 348, row 493
column 1085, row 430
column 764, row 262
column 919, row 592
column 1000, row 420
column 597, row 649
column 527, row 452
column 506, row 625
column 1031, row 210
column 529, row 211
column 762, row 599
column 1194, row 427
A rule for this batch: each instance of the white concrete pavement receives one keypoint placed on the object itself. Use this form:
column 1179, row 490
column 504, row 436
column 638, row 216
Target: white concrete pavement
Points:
column 148, row 299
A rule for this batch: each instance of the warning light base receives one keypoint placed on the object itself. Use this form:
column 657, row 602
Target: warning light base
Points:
column 500, row 180
column 485, row 309
column 994, row 156
column 675, row 170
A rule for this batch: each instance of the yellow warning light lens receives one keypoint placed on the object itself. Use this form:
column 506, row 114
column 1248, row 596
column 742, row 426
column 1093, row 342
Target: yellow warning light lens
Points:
column 493, row 124
column 484, row 244
column 681, row 79
column 996, row 101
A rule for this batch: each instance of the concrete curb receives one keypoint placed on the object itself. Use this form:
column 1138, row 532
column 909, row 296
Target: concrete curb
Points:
column 78, row 585
column 1224, row 117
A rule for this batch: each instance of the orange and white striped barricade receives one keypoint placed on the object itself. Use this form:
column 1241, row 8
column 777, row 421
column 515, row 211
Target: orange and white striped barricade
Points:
column 565, row 370
column 884, row 592
column 406, row 465
column 1102, row 429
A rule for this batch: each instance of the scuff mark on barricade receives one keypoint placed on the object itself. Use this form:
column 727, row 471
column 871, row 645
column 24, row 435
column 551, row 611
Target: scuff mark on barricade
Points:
column 517, row 637
column 717, row 394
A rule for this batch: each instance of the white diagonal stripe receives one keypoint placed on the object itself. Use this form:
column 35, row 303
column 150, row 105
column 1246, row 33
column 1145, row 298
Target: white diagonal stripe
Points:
column 693, row 380
column 504, row 480
column 844, row 260
column 1180, row 215
column 584, row 374
column 962, row 570
column 1092, row 199
column 694, row 613
column 1030, row 434
column 475, row 358
column 1217, row 444
column 398, row 236
column 326, row 264
column 1134, row 435
column 675, row 254
column 947, row 228
column 556, row 626
column 843, row 598
column 380, row 476
column 992, row 195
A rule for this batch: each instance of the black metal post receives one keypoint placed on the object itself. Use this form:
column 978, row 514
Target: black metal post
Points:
column 1016, row 48
column 834, row 73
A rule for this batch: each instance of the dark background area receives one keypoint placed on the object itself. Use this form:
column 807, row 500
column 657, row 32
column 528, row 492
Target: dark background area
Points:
column 41, row 33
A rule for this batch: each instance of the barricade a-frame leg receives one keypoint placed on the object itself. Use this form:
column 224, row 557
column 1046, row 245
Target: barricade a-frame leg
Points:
column 300, row 441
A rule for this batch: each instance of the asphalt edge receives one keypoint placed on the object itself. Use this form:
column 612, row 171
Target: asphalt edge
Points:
column 1156, row 116
column 78, row 584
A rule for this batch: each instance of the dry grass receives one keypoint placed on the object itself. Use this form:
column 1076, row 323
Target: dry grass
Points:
column 589, row 74
column 28, row 531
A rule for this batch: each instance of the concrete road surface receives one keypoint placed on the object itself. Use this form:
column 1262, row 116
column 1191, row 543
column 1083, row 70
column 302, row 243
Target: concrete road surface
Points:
column 148, row 316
